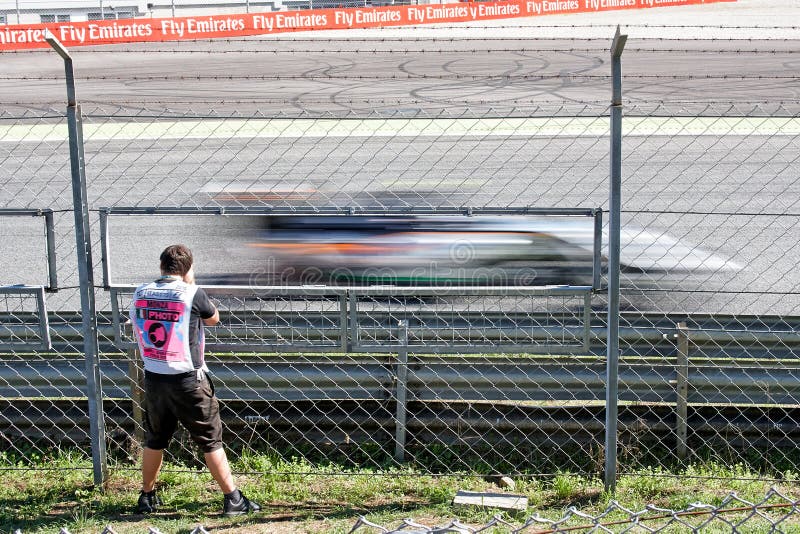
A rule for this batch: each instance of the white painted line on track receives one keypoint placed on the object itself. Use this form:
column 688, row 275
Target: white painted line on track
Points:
column 395, row 127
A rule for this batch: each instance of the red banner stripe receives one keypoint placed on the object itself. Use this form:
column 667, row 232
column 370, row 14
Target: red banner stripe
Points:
column 21, row 37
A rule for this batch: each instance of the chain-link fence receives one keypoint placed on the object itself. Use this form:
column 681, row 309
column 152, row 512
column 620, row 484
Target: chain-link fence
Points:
column 423, row 286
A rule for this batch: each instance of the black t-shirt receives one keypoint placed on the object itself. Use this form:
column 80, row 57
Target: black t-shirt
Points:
column 201, row 309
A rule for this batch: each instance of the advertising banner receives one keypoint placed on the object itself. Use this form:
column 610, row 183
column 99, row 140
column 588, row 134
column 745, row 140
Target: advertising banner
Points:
column 101, row 32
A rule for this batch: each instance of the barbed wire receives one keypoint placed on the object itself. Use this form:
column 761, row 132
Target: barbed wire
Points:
column 473, row 50
column 407, row 76
column 713, row 291
column 722, row 213
column 290, row 37
column 538, row 102
column 327, row 46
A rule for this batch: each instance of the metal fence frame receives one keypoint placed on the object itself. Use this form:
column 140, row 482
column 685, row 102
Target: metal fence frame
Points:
column 50, row 239
column 38, row 292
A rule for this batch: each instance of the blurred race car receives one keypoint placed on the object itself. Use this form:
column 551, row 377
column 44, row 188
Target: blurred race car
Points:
column 437, row 250
column 425, row 250
column 453, row 251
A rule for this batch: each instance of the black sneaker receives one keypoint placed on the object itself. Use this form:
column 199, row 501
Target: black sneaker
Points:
column 148, row 502
column 242, row 506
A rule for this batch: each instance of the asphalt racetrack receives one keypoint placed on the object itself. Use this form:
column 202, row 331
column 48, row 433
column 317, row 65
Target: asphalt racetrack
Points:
column 385, row 73
column 735, row 185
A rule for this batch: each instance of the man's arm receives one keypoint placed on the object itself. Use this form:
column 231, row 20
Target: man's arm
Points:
column 214, row 319
column 205, row 308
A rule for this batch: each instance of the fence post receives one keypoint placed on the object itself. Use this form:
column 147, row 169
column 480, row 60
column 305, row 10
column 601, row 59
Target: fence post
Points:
column 401, row 393
column 615, row 203
column 682, row 389
column 85, row 266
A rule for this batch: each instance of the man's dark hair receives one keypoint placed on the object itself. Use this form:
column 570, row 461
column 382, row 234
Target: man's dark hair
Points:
column 176, row 259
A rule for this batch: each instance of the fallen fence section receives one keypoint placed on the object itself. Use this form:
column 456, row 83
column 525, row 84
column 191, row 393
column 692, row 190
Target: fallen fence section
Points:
column 773, row 513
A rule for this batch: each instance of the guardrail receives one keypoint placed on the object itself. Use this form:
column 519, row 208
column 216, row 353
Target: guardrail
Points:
column 554, row 319
column 429, row 378
column 437, row 358
column 767, row 340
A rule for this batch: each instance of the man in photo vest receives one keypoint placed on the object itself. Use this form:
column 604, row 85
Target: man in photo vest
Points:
column 168, row 315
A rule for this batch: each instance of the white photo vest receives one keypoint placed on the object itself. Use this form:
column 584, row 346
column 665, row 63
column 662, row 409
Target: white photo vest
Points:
column 160, row 314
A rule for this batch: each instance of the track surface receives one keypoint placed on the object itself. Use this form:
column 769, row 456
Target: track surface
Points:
column 390, row 74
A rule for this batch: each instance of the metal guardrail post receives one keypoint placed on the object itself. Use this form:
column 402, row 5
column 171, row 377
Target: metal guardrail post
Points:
column 104, row 249
column 50, row 234
column 597, row 263
column 615, row 207
column 345, row 341
column 682, row 390
column 354, row 332
column 44, row 320
column 85, row 266
column 401, row 394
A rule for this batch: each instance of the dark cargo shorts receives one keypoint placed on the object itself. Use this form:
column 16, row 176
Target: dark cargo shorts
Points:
column 173, row 398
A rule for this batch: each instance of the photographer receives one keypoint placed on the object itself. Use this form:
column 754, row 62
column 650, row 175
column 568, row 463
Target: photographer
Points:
column 168, row 315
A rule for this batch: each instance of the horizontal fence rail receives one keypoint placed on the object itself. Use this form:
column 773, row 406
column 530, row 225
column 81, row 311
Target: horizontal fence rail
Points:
column 473, row 379
column 769, row 342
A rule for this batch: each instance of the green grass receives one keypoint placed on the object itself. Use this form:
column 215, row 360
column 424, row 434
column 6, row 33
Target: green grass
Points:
column 305, row 498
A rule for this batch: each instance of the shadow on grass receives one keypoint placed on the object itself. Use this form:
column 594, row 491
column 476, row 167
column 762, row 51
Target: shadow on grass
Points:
column 22, row 514
column 304, row 512
column 60, row 514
